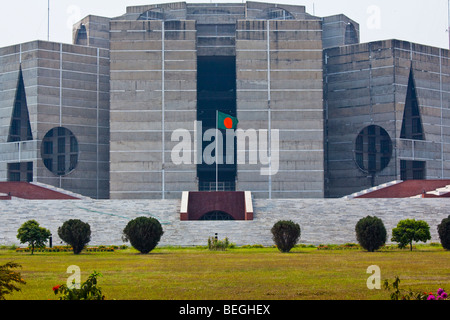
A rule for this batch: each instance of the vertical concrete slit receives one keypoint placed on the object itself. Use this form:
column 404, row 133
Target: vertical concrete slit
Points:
column 395, row 111
column 98, row 118
column 268, row 108
column 370, row 84
column 60, row 84
column 442, row 115
column 60, row 95
column 163, row 36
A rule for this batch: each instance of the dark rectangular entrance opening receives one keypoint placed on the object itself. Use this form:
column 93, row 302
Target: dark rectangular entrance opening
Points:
column 20, row 171
column 412, row 170
column 216, row 91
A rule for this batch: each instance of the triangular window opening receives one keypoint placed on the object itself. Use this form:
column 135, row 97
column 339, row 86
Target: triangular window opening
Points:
column 412, row 123
column 351, row 35
column 81, row 37
column 20, row 128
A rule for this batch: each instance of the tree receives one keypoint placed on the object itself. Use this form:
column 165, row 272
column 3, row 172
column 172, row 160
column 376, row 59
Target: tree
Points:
column 444, row 232
column 410, row 230
column 32, row 233
column 9, row 279
column 143, row 233
column 75, row 233
column 285, row 234
column 371, row 233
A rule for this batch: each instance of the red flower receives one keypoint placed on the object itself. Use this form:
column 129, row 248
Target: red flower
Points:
column 56, row 287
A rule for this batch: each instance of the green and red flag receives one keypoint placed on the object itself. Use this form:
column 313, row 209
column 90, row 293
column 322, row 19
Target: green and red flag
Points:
column 225, row 121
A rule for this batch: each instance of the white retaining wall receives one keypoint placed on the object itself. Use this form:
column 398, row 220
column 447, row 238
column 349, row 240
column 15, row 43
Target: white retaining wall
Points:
column 322, row 221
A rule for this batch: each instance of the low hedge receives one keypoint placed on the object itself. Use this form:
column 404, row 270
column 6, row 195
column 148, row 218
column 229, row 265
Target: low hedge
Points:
column 70, row 249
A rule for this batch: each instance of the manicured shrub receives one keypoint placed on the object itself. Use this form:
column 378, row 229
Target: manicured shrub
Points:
column 371, row 233
column 75, row 233
column 143, row 233
column 32, row 233
column 410, row 230
column 285, row 234
column 444, row 232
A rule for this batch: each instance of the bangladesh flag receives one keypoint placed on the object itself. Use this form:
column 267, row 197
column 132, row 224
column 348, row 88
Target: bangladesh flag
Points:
column 225, row 121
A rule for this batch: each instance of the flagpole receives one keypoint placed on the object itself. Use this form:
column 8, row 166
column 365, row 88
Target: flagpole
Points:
column 217, row 153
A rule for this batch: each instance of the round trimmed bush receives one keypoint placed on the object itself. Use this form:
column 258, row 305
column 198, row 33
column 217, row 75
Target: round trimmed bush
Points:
column 371, row 233
column 444, row 233
column 143, row 233
column 75, row 233
column 285, row 234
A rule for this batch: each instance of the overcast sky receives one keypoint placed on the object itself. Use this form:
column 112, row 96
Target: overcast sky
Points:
column 424, row 22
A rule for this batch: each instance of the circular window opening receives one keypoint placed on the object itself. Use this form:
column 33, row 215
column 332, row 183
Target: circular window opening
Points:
column 373, row 149
column 59, row 151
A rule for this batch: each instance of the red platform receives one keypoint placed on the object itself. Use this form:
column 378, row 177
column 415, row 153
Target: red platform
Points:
column 409, row 188
column 237, row 204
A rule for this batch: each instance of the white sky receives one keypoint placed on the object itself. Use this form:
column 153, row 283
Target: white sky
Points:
column 419, row 21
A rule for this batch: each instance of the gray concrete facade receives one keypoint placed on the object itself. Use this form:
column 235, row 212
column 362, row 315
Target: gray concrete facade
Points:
column 367, row 84
column 153, row 93
column 127, row 83
column 279, row 74
column 279, row 86
column 65, row 86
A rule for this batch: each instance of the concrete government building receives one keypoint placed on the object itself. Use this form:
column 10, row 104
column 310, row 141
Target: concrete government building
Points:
column 97, row 117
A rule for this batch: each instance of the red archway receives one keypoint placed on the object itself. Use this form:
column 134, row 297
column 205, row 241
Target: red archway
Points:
column 235, row 204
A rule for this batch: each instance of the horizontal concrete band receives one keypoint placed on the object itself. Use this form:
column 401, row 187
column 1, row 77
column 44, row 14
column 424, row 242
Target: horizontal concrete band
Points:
column 322, row 221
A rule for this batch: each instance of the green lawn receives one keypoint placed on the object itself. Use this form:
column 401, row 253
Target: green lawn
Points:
column 244, row 274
